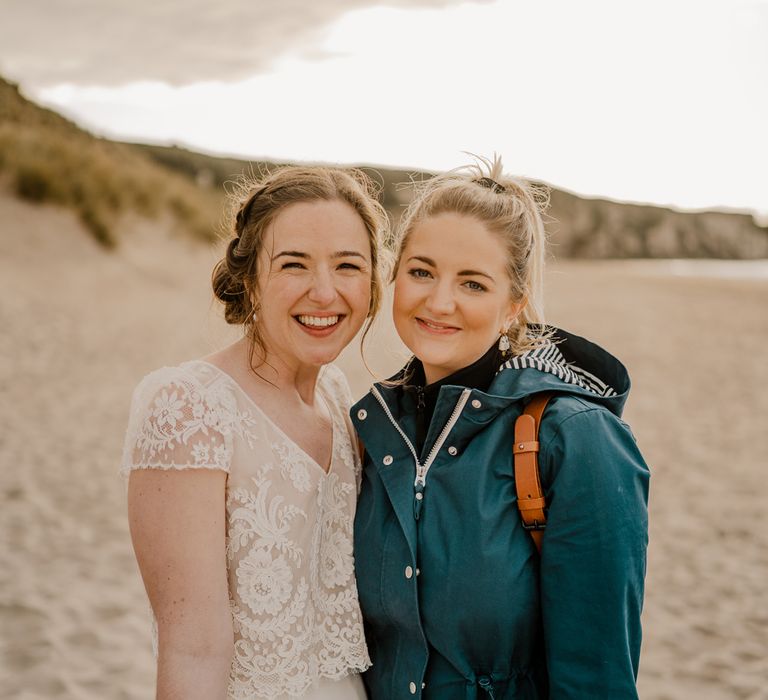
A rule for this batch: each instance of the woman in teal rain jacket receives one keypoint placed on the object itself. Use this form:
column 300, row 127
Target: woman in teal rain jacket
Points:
column 458, row 603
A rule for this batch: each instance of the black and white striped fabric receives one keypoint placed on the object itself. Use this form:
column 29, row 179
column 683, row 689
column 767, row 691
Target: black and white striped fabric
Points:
column 548, row 358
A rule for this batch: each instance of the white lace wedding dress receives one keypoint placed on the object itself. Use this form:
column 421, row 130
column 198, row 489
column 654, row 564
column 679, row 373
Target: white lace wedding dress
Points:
column 297, row 623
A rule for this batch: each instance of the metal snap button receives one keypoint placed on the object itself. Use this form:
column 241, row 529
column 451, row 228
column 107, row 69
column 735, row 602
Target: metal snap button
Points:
column 412, row 688
column 362, row 414
column 408, row 572
column 476, row 403
column 419, row 495
column 388, row 460
column 452, row 451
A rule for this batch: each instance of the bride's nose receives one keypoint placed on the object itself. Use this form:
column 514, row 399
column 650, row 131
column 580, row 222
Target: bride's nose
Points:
column 322, row 290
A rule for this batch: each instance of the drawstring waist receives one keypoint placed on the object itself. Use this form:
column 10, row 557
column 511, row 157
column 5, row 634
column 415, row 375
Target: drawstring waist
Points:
column 486, row 684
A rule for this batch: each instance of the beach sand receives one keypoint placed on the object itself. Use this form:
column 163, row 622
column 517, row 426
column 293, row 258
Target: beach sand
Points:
column 81, row 326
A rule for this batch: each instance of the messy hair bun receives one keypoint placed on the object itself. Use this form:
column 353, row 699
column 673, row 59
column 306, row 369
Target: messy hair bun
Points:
column 228, row 281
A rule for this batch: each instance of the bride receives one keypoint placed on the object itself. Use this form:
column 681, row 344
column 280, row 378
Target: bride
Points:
column 242, row 473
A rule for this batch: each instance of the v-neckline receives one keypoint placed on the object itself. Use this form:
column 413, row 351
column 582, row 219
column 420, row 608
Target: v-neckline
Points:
column 228, row 377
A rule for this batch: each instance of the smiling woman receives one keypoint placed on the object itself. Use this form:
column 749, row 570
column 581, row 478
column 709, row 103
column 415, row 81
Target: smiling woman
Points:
column 242, row 472
column 316, row 270
column 298, row 233
column 446, row 313
column 443, row 515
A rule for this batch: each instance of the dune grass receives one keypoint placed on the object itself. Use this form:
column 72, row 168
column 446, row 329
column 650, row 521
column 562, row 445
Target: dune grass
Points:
column 46, row 158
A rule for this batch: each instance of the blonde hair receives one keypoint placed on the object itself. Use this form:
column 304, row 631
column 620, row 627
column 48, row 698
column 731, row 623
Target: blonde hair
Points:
column 257, row 202
column 509, row 206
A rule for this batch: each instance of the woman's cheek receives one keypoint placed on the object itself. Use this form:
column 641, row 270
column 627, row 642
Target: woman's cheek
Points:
column 360, row 294
column 401, row 293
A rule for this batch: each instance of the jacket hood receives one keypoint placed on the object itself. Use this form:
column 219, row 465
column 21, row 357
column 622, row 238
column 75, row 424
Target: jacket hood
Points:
column 569, row 364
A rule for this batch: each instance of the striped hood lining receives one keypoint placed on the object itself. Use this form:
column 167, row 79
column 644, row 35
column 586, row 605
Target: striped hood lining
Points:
column 548, row 358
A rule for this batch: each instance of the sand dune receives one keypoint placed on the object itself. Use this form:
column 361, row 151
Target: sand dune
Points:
column 81, row 326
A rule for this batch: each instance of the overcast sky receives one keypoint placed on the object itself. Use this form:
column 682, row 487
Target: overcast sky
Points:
column 663, row 101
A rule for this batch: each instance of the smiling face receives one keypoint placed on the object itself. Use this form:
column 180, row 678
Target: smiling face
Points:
column 314, row 274
column 452, row 293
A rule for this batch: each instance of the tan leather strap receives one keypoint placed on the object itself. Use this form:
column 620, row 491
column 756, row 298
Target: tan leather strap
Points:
column 361, row 450
column 530, row 497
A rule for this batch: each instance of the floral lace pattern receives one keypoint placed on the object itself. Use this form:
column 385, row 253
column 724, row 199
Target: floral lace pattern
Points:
column 290, row 565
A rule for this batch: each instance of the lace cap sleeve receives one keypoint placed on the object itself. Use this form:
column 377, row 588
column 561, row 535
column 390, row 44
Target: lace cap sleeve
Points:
column 175, row 423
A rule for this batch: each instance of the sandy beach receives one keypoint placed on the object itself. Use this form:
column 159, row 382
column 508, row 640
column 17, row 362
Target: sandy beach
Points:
column 81, row 326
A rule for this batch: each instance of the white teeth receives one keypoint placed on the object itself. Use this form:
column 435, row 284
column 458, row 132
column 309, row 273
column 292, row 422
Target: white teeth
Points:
column 318, row 321
column 432, row 325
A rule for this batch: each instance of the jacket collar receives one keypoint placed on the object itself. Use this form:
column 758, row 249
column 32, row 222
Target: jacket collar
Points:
column 570, row 365
column 420, row 398
column 478, row 375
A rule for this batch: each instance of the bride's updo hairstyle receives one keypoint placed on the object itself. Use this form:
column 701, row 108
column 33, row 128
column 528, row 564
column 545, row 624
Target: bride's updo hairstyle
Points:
column 257, row 202
column 512, row 208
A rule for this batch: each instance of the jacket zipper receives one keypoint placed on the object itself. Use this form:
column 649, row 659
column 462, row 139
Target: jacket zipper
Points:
column 422, row 469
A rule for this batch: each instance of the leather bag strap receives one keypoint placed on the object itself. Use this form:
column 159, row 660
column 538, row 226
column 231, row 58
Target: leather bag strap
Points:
column 360, row 450
column 530, row 497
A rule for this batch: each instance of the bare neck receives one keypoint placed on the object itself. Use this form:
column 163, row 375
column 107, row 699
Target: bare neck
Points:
column 272, row 377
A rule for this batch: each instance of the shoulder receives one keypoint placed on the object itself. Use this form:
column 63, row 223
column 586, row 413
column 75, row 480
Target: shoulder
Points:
column 584, row 436
column 179, row 376
column 334, row 384
column 568, row 412
column 192, row 381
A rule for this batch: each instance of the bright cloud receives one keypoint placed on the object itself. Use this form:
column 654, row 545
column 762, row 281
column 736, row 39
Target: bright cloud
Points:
column 660, row 102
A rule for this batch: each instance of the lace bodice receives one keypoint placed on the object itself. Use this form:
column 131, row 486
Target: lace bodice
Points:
column 289, row 523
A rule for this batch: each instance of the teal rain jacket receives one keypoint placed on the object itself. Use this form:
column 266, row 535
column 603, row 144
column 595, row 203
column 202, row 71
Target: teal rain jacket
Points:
column 457, row 603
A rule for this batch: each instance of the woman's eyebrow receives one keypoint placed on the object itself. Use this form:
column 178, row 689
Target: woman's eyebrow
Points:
column 473, row 273
column 306, row 256
column 291, row 254
column 348, row 254
column 463, row 273
column 424, row 259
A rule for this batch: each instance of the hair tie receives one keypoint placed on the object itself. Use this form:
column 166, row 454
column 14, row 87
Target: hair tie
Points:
column 491, row 185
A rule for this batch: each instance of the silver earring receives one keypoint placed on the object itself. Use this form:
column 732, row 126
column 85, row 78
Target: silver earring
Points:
column 504, row 343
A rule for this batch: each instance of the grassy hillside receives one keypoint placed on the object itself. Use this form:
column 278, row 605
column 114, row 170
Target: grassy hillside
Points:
column 579, row 227
column 46, row 158
column 218, row 171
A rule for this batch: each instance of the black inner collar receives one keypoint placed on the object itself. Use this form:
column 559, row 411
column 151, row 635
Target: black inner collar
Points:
column 478, row 375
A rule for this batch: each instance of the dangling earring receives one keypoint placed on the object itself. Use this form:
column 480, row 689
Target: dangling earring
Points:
column 504, row 344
